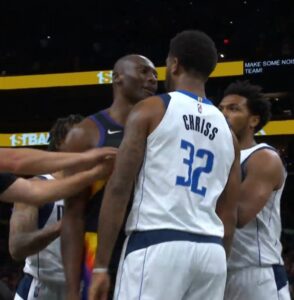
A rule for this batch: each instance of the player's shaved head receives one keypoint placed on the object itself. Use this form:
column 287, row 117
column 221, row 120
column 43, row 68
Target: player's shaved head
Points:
column 123, row 62
column 134, row 78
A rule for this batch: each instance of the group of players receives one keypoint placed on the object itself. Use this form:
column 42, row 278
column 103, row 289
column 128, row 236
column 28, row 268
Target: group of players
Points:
column 189, row 214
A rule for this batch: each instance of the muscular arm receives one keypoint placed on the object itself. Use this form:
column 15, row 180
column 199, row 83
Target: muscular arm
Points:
column 33, row 161
column 264, row 174
column 141, row 121
column 227, row 203
column 84, row 137
column 25, row 238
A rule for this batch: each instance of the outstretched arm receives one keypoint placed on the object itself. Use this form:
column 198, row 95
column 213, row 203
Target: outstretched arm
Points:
column 33, row 161
column 25, row 238
column 226, row 207
column 40, row 192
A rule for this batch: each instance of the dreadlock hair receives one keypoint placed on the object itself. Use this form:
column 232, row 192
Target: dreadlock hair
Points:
column 195, row 51
column 60, row 129
column 257, row 103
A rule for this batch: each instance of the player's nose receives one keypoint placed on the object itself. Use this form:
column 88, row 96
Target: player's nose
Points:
column 151, row 84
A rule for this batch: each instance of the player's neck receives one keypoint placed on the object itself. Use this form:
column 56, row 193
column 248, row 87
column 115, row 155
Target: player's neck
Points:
column 120, row 110
column 190, row 84
column 246, row 142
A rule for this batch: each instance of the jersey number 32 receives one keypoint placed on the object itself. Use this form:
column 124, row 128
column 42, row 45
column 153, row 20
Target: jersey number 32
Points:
column 193, row 174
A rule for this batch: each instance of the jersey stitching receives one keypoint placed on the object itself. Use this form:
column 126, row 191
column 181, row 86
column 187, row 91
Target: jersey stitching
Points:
column 272, row 207
column 120, row 279
column 258, row 243
column 141, row 285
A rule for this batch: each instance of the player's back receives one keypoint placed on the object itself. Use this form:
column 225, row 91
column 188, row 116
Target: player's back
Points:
column 187, row 162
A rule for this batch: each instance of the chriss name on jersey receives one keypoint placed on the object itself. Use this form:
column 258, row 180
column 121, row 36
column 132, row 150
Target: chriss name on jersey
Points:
column 200, row 125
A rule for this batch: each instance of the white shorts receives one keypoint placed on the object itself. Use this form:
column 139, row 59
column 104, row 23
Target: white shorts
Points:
column 165, row 264
column 256, row 283
column 31, row 288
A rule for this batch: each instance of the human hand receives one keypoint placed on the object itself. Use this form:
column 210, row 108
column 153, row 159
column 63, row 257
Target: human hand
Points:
column 57, row 227
column 99, row 286
column 91, row 158
column 98, row 154
column 104, row 168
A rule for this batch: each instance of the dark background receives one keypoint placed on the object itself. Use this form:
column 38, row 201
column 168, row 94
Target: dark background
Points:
column 38, row 37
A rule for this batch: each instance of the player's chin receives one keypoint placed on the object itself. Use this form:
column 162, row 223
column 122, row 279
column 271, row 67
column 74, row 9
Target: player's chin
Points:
column 147, row 93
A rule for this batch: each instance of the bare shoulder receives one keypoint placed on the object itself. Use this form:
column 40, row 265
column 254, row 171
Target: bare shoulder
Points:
column 149, row 104
column 266, row 158
column 83, row 136
column 266, row 164
column 150, row 109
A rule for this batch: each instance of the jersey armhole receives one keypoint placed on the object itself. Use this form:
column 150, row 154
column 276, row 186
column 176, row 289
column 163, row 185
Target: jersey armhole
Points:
column 243, row 164
column 44, row 214
column 166, row 99
column 101, row 130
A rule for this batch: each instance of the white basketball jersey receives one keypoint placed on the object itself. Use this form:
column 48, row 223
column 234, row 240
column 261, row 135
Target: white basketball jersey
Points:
column 258, row 243
column 47, row 264
column 187, row 161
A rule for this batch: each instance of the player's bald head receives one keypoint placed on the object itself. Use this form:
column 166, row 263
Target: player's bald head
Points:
column 134, row 78
column 130, row 60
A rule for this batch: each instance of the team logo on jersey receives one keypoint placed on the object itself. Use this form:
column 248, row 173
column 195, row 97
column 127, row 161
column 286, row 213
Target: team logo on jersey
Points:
column 113, row 131
column 199, row 106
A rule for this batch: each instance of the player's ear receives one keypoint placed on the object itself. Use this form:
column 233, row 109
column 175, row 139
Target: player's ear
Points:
column 174, row 65
column 116, row 78
column 254, row 121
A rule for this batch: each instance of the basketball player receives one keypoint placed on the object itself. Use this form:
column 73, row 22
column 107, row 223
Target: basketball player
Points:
column 255, row 267
column 134, row 78
column 34, row 234
column 181, row 152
